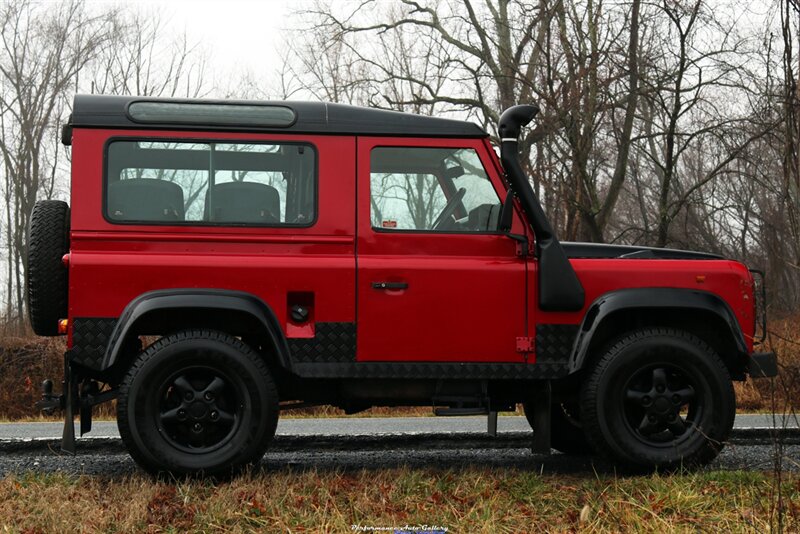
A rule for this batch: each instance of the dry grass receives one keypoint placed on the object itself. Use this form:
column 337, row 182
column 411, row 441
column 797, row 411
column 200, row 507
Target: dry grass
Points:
column 24, row 363
column 471, row 500
column 781, row 395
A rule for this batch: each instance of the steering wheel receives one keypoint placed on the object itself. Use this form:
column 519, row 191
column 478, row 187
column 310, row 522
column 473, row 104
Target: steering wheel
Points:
column 449, row 208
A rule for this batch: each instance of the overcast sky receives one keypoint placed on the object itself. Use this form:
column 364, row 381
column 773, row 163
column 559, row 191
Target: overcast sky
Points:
column 239, row 35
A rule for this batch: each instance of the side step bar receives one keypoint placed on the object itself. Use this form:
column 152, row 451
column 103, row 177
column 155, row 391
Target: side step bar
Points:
column 443, row 411
column 491, row 422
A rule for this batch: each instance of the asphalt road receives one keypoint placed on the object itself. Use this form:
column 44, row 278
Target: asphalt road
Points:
column 378, row 443
column 358, row 426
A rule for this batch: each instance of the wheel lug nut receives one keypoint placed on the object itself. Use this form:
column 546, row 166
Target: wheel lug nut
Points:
column 214, row 416
column 188, row 396
column 651, row 418
column 646, row 400
column 660, row 389
column 197, row 427
column 209, row 396
column 181, row 414
column 676, row 399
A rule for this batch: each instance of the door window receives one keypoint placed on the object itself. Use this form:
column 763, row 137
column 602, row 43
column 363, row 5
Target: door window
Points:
column 431, row 190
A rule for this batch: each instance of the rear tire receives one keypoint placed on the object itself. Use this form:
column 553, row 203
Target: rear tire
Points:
column 197, row 402
column 48, row 242
column 658, row 397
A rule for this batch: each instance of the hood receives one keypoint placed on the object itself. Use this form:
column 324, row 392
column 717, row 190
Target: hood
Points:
column 599, row 250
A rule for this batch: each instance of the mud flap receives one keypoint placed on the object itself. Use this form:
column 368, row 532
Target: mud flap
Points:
column 541, row 400
column 491, row 423
column 70, row 402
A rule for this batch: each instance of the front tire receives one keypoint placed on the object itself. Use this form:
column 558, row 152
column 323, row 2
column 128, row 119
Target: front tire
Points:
column 658, row 397
column 197, row 402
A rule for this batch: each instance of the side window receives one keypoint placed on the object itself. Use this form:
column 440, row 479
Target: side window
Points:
column 210, row 183
column 431, row 189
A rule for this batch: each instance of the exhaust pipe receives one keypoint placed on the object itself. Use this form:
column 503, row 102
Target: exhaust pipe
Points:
column 559, row 287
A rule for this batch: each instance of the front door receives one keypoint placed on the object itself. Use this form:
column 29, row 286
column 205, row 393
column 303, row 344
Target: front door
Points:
column 436, row 281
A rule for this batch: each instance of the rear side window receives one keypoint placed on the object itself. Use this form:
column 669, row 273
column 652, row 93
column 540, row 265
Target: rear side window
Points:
column 176, row 182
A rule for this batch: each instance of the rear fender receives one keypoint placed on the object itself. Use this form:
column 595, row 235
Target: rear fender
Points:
column 171, row 302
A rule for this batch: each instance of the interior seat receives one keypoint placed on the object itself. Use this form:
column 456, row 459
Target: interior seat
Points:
column 243, row 202
column 145, row 199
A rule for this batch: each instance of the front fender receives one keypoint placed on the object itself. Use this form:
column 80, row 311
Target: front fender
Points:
column 654, row 298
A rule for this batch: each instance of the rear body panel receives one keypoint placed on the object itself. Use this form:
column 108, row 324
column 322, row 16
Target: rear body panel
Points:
column 112, row 264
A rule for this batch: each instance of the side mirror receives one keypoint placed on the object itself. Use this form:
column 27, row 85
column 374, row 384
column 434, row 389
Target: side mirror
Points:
column 507, row 213
column 454, row 172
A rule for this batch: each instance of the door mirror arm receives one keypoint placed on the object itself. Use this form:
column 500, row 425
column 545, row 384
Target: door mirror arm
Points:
column 506, row 213
column 504, row 225
column 522, row 243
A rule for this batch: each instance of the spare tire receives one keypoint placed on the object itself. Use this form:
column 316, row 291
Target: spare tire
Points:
column 48, row 242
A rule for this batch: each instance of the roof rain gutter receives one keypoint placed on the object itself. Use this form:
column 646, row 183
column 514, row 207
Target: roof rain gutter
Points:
column 559, row 287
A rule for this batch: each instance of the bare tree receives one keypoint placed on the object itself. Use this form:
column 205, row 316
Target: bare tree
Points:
column 49, row 52
column 142, row 61
column 44, row 48
column 682, row 108
column 478, row 58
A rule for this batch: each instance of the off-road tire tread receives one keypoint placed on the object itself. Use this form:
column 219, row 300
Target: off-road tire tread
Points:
column 123, row 423
column 589, row 415
column 48, row 241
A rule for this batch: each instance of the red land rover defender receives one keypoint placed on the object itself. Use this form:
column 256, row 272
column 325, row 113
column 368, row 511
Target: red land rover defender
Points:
column 222, row 261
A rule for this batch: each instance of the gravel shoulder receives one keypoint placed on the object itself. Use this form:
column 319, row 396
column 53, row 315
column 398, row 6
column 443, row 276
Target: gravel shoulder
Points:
column 372, row 443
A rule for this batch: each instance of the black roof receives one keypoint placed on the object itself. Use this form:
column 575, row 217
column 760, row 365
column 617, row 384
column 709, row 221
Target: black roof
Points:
column 103, row 111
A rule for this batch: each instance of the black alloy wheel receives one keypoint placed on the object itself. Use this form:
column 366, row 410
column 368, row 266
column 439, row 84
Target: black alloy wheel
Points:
column 200, row 408
column 660, row 404
column 197, row 402
column 658, row 397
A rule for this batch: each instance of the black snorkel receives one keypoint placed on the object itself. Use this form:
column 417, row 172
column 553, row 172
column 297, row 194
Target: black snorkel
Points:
column 559, row 287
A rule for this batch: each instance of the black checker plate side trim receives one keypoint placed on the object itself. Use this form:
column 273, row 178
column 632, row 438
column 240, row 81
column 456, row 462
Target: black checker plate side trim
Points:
column 554, row 345
column 90, row 337
column 555, row 342
column 499, row 371
column 332, row 343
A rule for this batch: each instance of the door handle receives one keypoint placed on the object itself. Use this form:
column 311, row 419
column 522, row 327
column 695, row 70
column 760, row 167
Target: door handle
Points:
column 389, row 285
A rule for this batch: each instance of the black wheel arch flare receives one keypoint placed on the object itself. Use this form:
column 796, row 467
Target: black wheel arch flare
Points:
column 197, row 300
column 663, row 299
